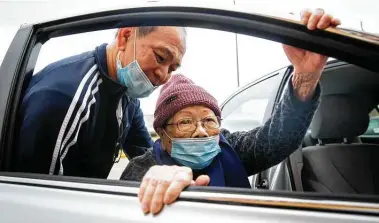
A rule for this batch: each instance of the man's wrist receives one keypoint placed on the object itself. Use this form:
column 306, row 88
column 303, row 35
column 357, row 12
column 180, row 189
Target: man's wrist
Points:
column 304, row 84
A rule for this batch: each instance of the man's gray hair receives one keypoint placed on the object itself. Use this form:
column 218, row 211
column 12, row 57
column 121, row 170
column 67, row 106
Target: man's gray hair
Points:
column 145, row 30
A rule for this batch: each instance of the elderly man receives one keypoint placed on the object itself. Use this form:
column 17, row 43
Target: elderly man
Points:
column 78, row 113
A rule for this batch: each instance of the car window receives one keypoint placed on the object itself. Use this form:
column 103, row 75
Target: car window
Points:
column 373, row 127
column 198, row 66
column 220, row 74
column 247, row 108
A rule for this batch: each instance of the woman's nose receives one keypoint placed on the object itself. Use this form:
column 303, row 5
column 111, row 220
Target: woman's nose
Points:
column 200, row 131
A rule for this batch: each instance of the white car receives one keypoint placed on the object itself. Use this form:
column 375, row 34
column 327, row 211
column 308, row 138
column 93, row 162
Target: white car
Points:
column 44, row 198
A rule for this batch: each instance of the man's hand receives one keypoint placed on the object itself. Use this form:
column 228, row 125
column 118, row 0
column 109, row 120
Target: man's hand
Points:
column 163, row 185
column 308, row 65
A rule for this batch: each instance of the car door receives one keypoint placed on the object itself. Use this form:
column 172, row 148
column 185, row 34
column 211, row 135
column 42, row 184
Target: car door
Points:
column 43, row 198
column 35, row 198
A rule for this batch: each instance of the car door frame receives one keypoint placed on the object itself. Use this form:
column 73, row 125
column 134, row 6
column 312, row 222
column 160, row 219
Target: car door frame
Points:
column 21, row 58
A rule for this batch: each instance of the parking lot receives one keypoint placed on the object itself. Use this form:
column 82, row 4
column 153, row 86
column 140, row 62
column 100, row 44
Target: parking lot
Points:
column 118, row 168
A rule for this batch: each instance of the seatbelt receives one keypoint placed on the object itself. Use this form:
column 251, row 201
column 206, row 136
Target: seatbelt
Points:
column 296, row 162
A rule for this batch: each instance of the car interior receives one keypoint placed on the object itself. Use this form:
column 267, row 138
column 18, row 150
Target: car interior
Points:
column 336, row 157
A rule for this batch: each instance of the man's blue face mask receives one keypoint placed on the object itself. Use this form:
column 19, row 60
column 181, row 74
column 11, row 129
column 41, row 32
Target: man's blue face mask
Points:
column 196, row 153
column 133, row 78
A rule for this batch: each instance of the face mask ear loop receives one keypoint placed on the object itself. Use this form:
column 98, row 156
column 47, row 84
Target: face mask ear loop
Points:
column 118, row 57
column 166, row 134
column 135, row 39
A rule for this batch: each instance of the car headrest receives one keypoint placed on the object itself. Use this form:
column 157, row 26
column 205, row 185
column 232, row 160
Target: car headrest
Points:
column 339, row 116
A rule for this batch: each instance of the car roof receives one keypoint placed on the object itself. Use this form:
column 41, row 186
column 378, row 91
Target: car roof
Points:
column 205, row 4
column 213, row 4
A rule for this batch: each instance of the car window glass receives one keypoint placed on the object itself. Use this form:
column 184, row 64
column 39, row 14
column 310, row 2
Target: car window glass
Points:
column 201, row 63
column 253, row 65
column 246, row 109
column 197, row 57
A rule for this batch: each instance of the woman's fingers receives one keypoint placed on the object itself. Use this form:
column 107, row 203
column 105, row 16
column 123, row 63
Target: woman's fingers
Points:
column 202, row 180
column 162, row 185
column 335, row 22
column 325, row 21
column 182, row 179
column 143, row 186
column 318, row 19
column 157, row 201
column 305, row 15
column 148, row 195
column 315, row 18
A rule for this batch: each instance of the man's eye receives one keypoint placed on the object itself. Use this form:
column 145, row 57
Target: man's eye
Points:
column 172, row 69
column 159, row 58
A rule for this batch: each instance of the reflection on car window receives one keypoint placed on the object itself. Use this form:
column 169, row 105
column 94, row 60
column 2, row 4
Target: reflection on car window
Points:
column 246, row 110
column 373, row 127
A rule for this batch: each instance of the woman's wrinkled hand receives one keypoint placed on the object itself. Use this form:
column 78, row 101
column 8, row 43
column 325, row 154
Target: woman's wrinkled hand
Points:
column 308, row 65
column 163, row 184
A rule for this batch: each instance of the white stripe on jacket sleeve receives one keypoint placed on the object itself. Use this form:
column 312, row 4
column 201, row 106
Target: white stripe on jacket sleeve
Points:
column 67, row 118
column 84, row 119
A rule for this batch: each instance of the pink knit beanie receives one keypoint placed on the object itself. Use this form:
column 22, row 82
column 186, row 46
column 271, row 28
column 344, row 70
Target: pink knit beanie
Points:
column 180, row 92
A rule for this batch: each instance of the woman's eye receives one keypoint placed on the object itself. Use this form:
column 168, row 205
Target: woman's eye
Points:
column 210, row 120
column 185, row 122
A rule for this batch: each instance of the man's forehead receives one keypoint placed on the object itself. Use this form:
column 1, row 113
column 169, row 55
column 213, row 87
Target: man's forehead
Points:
column 174, row 52
column 171, row 36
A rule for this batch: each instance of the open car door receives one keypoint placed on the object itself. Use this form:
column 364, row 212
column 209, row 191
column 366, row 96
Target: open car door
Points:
column 36, row 198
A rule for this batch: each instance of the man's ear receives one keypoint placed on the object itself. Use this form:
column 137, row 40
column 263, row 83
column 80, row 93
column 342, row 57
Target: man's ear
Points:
column 123, row 36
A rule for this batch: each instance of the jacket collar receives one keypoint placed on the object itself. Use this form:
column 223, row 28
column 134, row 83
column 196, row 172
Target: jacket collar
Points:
column 112, row 86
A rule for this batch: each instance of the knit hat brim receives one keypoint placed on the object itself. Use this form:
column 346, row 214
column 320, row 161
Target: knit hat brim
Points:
column 174, row 99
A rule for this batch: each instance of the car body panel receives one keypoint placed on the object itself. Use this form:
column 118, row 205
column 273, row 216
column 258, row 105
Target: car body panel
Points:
column 37, row 200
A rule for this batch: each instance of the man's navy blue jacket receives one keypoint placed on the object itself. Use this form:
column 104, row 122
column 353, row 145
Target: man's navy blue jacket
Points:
column 70, row 117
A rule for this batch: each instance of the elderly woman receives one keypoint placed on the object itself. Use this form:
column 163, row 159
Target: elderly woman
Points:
column 194, row 149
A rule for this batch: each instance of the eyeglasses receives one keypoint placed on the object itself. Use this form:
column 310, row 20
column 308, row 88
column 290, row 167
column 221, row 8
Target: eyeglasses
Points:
column 190, row 124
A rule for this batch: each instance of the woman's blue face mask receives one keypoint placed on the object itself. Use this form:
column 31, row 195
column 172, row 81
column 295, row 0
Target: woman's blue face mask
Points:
column 196, row 153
